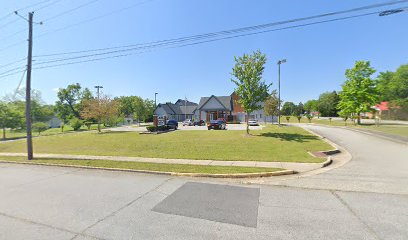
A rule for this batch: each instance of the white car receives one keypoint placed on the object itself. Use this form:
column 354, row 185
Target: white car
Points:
column 187, row 122
column 253, row 122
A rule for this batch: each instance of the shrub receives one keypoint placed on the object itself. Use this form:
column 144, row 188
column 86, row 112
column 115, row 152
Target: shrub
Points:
column 88, row 125
column 40, row 127
column 151, row 128
column 330, row 119
column 76, row 123
column 299, row 118
column 62, row 127
column 309, row 117
column 287, row 118
column 155, row 129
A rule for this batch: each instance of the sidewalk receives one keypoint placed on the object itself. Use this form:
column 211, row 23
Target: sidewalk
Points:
column 298, row 167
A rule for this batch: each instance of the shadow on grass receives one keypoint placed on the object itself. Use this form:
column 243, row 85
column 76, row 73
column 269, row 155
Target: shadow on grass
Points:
column 290, row 136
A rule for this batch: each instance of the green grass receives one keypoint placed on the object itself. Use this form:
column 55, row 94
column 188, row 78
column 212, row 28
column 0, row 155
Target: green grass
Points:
column 15, row 134
column 179, row 168
column 286, row 143
column 395, row 129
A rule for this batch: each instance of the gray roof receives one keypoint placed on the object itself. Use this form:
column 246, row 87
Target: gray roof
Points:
column 171, row 108
column 182, row 102
column 224, row 100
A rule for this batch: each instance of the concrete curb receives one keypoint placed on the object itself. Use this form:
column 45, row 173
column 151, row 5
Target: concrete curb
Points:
column 209, row 175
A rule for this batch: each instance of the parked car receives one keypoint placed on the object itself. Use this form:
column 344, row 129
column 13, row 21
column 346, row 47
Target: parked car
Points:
column 172, row 124
column 199, row 123
column 187, row 122
column 253, row 122
column 217, row 124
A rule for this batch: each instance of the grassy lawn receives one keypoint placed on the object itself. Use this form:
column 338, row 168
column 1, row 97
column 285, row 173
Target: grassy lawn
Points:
column 273, row 143
column 395, row 129
column 14, row 134
column 180, row 168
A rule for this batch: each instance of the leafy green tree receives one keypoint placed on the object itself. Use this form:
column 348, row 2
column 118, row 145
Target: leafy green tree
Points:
column 69, row 101
column 299, row 109
column 327, row 104
column 10, row 117
column 383, row 85
column 141, row 109
column 250, row 87
column 311, row 106
column 271, row 104
column 288, row 108
column 40, row 127
column 359, row 91
column 76, row 123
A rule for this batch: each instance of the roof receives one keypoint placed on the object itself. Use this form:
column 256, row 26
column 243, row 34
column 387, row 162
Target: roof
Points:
column 223, row 100
column 182, row 102
column 171, row 108
column 383, row 106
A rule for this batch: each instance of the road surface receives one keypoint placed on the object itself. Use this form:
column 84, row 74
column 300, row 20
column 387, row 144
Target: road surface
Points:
column 365, row 199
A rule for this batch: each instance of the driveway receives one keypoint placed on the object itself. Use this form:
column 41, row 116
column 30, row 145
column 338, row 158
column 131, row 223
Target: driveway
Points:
column 365, row 199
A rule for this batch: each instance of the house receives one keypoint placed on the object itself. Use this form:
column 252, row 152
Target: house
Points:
column 180, row 110
column 227, row 107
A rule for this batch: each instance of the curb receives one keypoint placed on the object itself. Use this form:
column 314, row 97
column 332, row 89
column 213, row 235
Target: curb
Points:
column 209, row 175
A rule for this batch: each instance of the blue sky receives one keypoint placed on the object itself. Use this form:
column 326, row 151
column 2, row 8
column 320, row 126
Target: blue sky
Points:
column 317, row 55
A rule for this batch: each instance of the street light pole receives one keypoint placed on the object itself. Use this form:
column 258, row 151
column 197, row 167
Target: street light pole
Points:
column 279, row 92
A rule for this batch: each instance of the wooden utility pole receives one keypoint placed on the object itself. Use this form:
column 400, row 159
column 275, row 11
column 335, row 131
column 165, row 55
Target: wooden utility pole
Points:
column 99, row 121
column 28, row 87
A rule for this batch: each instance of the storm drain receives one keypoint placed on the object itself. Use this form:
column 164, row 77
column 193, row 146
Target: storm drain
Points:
column 220, row 203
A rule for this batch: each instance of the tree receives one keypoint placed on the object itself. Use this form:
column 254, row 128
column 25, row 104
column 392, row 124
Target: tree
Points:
column 383, row 85
column 359, row 91
column 288, row 108
column 299, row 109
column 69, row 104
column 40, row 127
column 311, row 106
column 250, row 86
column 271, row 104
column 103, row 110
column 327, row 104
column 136, row 106
column 10, row 117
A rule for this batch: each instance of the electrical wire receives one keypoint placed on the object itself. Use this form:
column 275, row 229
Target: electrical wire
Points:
column 213, row 34
column 206, row 41
column 69, row 11
column 12, row 63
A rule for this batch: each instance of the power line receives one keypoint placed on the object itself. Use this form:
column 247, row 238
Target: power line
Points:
column 70, row 10
column 23, row 8
column 48, row 5
column 210, row 40
column 214, row 34
column 9, row 64
column 94, row 18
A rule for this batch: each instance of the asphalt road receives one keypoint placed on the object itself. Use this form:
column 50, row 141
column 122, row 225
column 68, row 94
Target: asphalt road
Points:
column 365, row 199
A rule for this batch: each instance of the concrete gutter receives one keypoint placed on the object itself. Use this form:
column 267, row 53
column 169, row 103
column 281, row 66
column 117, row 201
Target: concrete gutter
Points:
column 209, row 175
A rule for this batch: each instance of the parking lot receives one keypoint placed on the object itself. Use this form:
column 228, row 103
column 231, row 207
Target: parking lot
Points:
column 229, row 127
column 135, row 128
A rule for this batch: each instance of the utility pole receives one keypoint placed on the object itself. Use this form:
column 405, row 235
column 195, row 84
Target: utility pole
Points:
column 279, row 99
column 99, row 121
column 155, row 94
column 28, row 87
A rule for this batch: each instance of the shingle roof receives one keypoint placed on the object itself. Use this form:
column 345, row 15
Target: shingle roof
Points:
column 171, row 108
column 224, row 100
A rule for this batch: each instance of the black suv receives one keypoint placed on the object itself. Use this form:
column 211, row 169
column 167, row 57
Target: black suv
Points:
column 172, row 124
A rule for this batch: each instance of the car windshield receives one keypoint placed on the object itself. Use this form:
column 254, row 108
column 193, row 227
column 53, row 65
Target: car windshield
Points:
column 216, row 121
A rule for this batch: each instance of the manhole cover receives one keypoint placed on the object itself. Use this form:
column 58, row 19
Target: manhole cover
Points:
column 220, row 203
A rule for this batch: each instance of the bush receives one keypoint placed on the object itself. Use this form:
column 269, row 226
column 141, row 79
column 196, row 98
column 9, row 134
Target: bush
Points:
column 40, row 127
column 287, row 118
column 155, row 129
column 76, row 123
column 88, row 125
column 309, row 117
column 299, row 118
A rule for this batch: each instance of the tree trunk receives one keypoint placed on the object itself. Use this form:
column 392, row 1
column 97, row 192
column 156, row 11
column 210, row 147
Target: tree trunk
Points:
column 247, row 125
column 358, row 119
column 4, row 133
